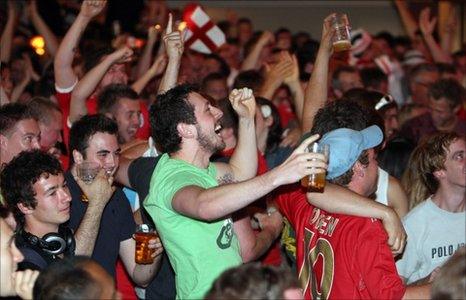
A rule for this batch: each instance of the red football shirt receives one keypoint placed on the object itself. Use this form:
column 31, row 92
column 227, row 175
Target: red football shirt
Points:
column 339, row 256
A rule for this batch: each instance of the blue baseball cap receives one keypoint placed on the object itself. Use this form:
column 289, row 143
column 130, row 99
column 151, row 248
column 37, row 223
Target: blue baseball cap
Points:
column 346, row 145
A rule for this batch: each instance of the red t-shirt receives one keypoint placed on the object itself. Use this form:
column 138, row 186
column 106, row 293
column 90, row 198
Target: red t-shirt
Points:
column 339, row 256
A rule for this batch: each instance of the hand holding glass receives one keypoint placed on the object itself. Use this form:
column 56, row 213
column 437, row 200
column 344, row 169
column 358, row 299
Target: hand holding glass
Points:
column 144, row 233
column 342, row 37
column 87, row 171
column 315, row 183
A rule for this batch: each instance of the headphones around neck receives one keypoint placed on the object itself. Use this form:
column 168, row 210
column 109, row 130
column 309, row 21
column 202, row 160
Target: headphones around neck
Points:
column 53, row 243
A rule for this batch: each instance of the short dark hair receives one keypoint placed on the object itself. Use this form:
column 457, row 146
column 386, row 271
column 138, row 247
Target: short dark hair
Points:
column 342, row 114
column 445, row 68
column 420, row 68
column 170, row 109
column 212, row 77
column 450, row 89
column 83, row 129
column 11, row 114
column 373, row 77
column 338, row 71
column 67, row 279
column 251, row 79
column 41, row 108
column 108, row 98
column 224, row 68
column 20, row 174
column 252, row 281
column 93, row 58
column 451, row 281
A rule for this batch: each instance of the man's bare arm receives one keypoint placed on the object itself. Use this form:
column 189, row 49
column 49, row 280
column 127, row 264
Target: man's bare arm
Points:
column 64, row 74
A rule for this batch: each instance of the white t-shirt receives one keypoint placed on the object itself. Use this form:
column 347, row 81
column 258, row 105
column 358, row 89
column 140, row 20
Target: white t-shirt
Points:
column 382, row 187
column 434, row 235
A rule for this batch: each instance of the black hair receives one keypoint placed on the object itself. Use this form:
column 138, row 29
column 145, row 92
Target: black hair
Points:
column 338, row 71
column 251, row 79
column 67, row 279
column 450, row 89
column 224, row 68
column 387, row 36
column 170, row 109
column 84, row 128
column 11, row 114
column 211, row 77
column 93, row 58
column 252, row 281
column 373, row 77
column 108, row 98
column 20, row 174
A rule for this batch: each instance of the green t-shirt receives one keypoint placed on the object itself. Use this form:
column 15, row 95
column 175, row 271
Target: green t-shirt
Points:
column 199, row 251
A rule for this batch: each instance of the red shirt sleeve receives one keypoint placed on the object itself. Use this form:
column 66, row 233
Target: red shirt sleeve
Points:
column 144, row 131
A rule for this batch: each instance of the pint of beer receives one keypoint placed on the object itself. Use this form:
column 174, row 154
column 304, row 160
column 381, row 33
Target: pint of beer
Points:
column 342, row 37
column 315, row 183
column 144, row 233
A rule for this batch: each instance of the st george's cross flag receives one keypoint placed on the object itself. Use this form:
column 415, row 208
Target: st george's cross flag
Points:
column 201, row 34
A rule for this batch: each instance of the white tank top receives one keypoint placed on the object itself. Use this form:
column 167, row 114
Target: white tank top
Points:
column 382, row 187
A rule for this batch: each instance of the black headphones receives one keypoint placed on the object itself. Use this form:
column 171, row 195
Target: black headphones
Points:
column 53, row 243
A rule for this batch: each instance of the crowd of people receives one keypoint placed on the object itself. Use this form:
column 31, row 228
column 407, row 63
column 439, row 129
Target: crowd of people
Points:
column 209, row 149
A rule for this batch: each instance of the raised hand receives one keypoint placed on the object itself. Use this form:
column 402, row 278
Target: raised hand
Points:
column 24, row 282
column 294, row 76
column 266, row 38
column 300, row 164
column 426, row 24
column 100, row 190
column 327, row 34
column 243, row 102
column 90, row 9
column 173, row 40
column 277, row 73
column 122, row 55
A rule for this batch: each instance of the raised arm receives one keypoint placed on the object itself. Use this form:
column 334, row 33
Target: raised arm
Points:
column 275, row 75
column 250, row 62
column 7, row 34
column 87, row 85
column 315, row 95
column 51, row 42
column 156, row 69
column 174, row 46
column 214, row 203
column 243, row 162
column 337, row 199
column 407, row 18
column 146, row 57
column 450, row 28
column 64, row 75
column 427, row 26
column 98, row 193
column 297, row 92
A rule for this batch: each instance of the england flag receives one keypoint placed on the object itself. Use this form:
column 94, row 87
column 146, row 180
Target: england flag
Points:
column 201, row 34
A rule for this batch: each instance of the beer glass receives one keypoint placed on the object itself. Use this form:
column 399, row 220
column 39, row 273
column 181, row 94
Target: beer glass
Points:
column 315, row 183
column 342, row 37
column 144, row 233
column 87, row 171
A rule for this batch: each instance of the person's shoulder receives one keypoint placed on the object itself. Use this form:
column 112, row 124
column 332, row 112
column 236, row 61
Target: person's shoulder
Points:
column 420, row 211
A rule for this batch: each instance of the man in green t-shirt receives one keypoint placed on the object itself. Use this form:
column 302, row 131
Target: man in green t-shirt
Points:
column 190, row 209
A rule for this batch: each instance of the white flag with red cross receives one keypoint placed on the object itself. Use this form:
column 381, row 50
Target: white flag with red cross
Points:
column 201, row 34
